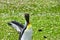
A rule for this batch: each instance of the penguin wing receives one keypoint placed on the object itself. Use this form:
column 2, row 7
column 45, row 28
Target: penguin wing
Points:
column 18, row 26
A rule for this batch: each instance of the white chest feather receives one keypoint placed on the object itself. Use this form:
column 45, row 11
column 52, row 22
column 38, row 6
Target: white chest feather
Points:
column 27, row 35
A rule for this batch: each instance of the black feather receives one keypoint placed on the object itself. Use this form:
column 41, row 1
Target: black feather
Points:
column 9, row 24
column 17, row 23
column 27, row 17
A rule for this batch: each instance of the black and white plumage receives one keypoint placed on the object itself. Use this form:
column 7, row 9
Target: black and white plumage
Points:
column 25, row 31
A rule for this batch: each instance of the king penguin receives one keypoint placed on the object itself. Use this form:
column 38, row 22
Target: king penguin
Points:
column 25, row 31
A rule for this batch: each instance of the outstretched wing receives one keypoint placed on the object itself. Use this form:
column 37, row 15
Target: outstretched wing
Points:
column 18, row 26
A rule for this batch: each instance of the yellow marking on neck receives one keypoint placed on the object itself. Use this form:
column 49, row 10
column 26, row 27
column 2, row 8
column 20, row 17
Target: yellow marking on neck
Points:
column 28, row 26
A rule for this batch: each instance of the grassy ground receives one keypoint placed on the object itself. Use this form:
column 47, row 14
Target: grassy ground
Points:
column 44, row 15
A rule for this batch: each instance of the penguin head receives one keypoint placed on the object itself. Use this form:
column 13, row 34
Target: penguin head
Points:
column 28, row 24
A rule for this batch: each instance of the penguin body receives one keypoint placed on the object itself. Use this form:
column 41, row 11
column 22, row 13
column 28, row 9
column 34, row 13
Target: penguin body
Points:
column 27, row 35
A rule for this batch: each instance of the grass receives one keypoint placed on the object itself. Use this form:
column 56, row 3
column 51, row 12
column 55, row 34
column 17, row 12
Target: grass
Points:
column 44, row 15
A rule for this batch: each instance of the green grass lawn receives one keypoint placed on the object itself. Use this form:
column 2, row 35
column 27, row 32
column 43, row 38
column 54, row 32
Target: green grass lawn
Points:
column 44, row 15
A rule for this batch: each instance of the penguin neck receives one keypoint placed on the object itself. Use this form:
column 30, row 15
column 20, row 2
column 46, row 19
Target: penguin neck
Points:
column 26, row 23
